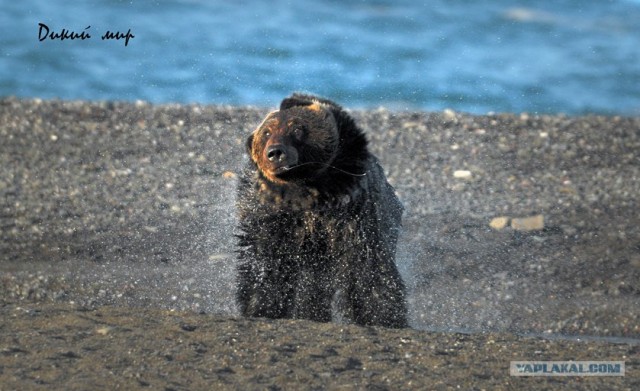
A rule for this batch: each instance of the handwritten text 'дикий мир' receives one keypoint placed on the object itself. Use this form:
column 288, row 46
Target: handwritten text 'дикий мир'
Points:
column 44, row 32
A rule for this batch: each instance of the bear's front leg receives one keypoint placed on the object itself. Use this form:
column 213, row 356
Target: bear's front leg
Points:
column 313, row 294
column 369, row 288
column 263, row 290
column 379, row 298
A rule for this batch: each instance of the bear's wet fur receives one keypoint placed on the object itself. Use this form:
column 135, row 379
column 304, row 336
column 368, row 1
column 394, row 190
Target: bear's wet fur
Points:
column 319, row 222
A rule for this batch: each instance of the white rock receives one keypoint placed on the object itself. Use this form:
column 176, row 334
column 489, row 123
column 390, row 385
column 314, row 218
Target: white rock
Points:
column 499, row 223
column 531, row 223
column 462, row 174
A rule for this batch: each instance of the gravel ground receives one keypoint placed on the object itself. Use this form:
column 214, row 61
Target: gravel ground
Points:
column 60, row 347
column 514, row 224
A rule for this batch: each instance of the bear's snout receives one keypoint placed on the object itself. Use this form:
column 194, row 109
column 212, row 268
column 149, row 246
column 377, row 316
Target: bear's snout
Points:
column 279, row 158
column 276, row 153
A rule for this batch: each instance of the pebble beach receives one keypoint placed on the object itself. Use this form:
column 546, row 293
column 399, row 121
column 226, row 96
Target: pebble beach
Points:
column 521, row 242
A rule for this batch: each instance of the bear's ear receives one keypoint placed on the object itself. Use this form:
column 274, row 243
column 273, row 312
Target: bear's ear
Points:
column 296, row 100
column 311, row 102
column 249, row 144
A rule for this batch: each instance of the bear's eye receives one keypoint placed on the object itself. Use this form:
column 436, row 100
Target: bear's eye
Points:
column 267, row 133
column 298, row 133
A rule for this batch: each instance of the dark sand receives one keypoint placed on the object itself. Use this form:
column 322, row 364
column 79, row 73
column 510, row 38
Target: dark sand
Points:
column 116, row 252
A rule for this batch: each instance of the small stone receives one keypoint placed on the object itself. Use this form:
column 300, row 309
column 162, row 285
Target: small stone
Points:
column 499, row 223
column 449, row 114
column 188, row 327
column 531, row 223
column 462, row 174
column 228, row 175
column 53, row 137
column 103, row 330
column 220, row 256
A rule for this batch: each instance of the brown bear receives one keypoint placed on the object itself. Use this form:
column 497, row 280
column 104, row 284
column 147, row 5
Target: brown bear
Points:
column 319, row 222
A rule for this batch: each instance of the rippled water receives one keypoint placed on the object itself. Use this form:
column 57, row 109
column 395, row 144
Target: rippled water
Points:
column 566, row 56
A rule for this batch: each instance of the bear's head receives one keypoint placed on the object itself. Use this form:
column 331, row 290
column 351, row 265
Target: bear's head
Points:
column 296, row 143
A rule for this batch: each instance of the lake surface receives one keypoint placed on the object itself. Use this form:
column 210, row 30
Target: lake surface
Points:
column 567, row 56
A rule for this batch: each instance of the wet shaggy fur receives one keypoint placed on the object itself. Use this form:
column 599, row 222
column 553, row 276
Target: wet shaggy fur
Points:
column 318, row 221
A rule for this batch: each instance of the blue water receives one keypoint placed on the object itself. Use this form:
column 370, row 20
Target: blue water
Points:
column 570, row 56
